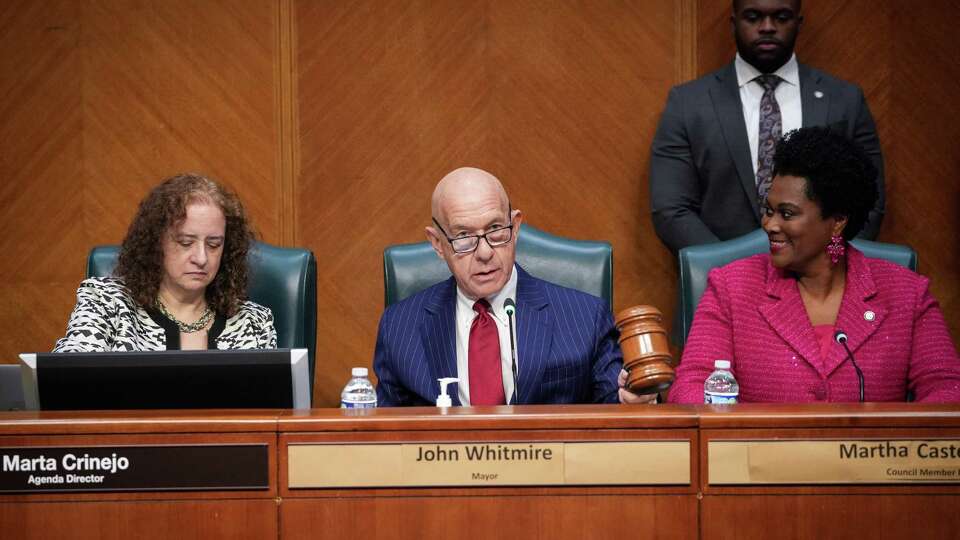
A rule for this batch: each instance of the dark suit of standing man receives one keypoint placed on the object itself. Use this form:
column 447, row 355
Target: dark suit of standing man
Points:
column 703, row 184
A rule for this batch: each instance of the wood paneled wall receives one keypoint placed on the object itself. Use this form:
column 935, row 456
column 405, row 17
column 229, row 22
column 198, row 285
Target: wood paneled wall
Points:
column 101, row 100
column 333, row 120
column 554, row 98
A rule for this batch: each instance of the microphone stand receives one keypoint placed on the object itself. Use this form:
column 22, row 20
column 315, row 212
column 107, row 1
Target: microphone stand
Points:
column 510, row 307
column 841, row 338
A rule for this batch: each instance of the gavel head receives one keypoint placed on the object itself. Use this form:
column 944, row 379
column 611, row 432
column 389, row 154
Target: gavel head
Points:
column 646, row 351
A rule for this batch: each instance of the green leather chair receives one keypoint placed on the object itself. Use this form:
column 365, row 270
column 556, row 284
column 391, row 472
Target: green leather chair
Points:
column 283, row 279
column 579, row 264
column 697, row 261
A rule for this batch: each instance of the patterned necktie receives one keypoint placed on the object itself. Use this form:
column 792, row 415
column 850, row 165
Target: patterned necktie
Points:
column 771, row 128
column 483, row 358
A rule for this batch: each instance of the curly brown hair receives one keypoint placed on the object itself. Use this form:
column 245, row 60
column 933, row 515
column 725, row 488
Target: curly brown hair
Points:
column 141, row 255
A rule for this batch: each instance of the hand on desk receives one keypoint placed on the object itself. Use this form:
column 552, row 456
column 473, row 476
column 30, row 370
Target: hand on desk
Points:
column 627, row 396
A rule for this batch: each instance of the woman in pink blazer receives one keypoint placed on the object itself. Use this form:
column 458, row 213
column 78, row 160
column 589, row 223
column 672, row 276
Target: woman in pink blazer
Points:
column 776, row 316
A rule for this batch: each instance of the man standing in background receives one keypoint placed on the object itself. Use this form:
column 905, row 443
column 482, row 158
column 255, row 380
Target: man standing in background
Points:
column 712, row 153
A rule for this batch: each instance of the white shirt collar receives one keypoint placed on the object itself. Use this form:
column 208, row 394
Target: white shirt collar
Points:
column 496, row 301
column 789, row 72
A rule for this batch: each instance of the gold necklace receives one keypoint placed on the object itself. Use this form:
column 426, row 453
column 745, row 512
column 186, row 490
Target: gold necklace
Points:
column 184, row 327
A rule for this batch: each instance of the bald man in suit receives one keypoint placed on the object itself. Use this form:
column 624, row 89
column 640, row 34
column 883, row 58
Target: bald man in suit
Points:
column 567, row 349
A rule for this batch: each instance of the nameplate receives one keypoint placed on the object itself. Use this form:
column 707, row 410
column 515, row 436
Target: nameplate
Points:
column 134, row 468
column 834, row 462
column 488, row 464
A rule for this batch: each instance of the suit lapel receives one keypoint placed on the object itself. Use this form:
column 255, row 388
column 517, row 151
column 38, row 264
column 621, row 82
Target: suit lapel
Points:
column 814, row 108
column 534, row 335
column 725, row 95
column 438, row 335
column 860, row 315
column 788, row 317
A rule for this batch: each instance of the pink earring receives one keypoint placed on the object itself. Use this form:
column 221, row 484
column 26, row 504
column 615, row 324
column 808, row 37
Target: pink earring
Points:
column 836, row 248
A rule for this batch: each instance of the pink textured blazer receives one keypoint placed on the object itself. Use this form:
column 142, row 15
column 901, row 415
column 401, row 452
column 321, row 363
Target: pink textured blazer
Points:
column 751, row 314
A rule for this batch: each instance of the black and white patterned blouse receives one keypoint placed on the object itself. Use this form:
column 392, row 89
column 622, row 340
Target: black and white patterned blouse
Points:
column 107, row 318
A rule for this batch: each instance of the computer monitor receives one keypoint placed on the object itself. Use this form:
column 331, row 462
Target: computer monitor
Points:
column 211, row 379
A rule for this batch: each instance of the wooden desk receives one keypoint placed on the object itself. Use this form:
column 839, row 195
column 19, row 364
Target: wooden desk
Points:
column 159, row 514
column 697, row 508
column 828, row 511
column 549, row 512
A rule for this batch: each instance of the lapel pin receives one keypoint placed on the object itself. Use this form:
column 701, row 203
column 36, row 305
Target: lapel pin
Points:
column 869, row 315
column 818, row 94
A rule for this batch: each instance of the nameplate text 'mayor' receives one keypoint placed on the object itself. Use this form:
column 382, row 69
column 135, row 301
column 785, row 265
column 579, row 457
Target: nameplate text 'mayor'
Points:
column 488, row 464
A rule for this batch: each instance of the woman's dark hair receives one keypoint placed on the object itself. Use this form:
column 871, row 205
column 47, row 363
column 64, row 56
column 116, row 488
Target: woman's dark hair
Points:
column 141, row 255
column 841, row 179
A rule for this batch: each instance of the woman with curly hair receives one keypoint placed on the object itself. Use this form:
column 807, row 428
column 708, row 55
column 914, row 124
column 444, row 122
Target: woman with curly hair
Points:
column 180, row 280
column 776, row 316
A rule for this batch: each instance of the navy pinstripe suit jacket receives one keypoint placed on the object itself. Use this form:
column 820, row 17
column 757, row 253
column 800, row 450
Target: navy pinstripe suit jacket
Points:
column 567, row 350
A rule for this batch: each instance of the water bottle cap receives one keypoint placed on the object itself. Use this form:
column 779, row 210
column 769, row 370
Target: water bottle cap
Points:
column 359, row 372
column 722, row 364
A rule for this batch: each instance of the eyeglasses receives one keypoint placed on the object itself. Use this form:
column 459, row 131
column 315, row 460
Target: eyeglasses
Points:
column 469, row 244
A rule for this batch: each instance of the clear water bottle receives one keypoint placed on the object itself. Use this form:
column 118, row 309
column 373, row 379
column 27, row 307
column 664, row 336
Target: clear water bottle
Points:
column 720, row 387
column 359, row 392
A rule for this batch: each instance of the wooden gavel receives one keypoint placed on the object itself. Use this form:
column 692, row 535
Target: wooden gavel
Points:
column 646, row 351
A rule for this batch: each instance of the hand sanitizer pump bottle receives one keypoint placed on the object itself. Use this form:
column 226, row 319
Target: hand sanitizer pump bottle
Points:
column 443, row 400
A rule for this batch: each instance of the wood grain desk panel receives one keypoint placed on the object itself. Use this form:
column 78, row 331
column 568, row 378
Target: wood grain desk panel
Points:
column 483, row 517
column 141, row 514
column 841, row 516
column 557, row 512
column 828, row 415
column 827, row 511
column 129, row 422
column 253, row 519
column 696, row 510
column 568, row 417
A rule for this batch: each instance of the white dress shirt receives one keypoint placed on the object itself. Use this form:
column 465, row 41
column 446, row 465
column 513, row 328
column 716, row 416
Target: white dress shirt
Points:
column 465, row 316
column 787, row 94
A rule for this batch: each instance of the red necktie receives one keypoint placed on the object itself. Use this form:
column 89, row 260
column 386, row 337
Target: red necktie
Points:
column 483, row 358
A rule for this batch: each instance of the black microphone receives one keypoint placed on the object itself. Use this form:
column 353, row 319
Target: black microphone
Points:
column 841, row 337
column 511, row 307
